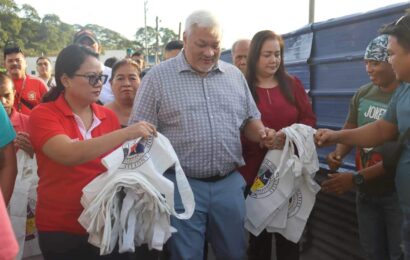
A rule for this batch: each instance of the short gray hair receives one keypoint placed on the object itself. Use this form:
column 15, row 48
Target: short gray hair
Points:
column 236, row 43
column 204, row 19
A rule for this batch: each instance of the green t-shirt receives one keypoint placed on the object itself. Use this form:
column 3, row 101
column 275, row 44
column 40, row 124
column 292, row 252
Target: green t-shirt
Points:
column 6, row 129
column 368, row 105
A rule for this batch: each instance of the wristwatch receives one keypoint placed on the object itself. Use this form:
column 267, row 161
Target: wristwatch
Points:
column 358, row 179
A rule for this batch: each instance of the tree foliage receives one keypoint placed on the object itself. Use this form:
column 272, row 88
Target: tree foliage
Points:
column 165, row 35
column 47, row 35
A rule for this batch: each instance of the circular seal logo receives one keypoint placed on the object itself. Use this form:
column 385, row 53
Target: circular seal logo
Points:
column 266, row 182
column 295, row 202
column 135, row 154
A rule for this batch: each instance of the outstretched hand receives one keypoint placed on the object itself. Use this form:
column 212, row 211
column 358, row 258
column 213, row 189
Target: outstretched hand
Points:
column 338, row 183
column 325, row 137
column 141, row 129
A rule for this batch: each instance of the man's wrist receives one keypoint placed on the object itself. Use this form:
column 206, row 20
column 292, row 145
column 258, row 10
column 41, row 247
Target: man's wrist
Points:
column 358, row 179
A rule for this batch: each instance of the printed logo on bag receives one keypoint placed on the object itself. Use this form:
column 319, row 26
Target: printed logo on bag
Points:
column 30, row 224
column 135, row 154
column 295, row 202
column 266, row 182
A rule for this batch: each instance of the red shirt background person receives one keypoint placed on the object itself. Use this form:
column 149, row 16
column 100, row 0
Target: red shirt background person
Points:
column 282, row 101
column 70, row 134
column 29, row 89
column 19, row 121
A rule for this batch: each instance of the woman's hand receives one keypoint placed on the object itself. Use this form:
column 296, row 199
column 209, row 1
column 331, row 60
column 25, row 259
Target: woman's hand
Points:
column 22, row 142
column 141, row 129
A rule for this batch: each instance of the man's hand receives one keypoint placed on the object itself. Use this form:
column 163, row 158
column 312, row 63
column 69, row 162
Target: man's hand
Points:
column 280, row 138
column 339, row 183
column 267, row 138
column 334, row 161
column 22, row 142
column 325, row 137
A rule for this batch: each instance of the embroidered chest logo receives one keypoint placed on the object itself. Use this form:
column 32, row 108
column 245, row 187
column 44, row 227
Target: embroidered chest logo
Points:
column 31, row 95
column 135, row 154
column 295, row 202
column 266, row 182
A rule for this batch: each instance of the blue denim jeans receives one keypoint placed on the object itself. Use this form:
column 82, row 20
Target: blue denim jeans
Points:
column 219, row 215
column 380, row 222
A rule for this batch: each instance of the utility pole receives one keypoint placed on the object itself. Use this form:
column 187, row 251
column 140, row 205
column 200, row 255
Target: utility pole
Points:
column 179, row 31
column 311, row 11
column 145, row 33
column 156, row 41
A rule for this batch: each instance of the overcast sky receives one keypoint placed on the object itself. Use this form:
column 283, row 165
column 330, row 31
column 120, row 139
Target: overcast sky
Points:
column 239, row 19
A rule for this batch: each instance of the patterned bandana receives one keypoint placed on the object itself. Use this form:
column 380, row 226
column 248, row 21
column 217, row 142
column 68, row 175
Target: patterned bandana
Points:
column 377, row 49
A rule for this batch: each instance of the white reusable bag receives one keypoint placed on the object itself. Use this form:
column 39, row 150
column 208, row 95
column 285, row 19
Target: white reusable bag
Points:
column 136, row 171
column 294, row 174
column 22, row 205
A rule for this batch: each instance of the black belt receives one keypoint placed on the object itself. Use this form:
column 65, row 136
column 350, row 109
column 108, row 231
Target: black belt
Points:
column 214, row 178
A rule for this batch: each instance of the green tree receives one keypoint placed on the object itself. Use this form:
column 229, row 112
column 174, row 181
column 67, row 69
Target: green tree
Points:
column 29, row 12
column 48, row 34
column 165, row 35
column 110, row 39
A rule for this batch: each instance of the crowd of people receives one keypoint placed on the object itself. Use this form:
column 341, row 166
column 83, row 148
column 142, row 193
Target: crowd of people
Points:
column 221, row 119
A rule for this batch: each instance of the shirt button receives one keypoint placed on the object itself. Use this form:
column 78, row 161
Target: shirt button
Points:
column 212, row 117
column 208, row 98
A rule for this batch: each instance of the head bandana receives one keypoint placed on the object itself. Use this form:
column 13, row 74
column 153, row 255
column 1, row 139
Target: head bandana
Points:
column 377, row 49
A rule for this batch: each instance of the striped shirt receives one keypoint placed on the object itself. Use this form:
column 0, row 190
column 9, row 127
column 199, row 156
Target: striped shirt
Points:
column 201, row 115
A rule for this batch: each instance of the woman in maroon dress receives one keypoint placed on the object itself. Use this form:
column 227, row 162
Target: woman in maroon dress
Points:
column 282, row 101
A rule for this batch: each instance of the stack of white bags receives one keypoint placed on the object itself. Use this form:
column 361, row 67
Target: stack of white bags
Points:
column 132, row 202
column 284, row 192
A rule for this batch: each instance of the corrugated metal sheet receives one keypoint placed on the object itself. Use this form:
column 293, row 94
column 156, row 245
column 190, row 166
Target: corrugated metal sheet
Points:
column 335, row 69
column 331, row 232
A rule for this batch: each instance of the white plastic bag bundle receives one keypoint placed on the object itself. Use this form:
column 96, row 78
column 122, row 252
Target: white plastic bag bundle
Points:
column 132, row 202
column 283, row 194
column 22, row 205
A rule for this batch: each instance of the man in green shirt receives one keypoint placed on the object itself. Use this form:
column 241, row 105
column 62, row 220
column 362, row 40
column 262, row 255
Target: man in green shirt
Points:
column 378, row 211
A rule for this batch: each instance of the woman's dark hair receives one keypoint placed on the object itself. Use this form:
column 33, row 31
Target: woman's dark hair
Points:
column 110, row 62
column 69, row 60
column 122, row 62
column 284, row 79
column 4, row 78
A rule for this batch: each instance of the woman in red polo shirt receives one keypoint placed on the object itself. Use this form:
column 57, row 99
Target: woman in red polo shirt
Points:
column 282, row 101
column 70, row 134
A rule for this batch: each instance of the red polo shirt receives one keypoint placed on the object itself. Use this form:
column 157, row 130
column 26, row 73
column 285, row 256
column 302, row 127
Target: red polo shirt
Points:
column 19, row 121
column 31, row 90
column 60, row 187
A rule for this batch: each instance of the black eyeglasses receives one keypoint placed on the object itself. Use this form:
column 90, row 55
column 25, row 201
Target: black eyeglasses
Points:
column 94, row 79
